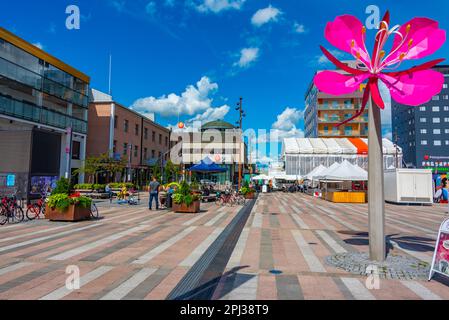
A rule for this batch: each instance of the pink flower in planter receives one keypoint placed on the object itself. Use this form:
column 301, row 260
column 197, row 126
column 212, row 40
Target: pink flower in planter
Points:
column 416, row 39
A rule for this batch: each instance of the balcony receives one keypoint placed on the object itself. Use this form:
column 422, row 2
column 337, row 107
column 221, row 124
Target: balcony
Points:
column 39, row 115
column 36, row 81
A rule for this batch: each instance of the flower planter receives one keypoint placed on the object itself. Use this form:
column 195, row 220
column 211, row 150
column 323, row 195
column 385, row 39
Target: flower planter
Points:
column 250, row 196
column 72, row 214
column 183, row 208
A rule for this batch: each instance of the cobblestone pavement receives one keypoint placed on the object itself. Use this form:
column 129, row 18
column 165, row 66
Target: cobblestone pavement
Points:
column 280, row 254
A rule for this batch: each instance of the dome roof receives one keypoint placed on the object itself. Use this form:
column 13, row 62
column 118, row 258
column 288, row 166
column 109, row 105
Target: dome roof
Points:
column 218, row 124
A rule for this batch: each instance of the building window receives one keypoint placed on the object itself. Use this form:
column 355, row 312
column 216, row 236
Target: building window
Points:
column 437, row 143
column 125, row 149
column 114, row 148
column 153, row 136
column 115, row 122
column 436, row 120
column 136, row 130
column 446, row 131
column 326, row 129
column 423, row 131
column 160, row 138
column 444, row 85
column 335, row 104
column 76, row 150
column 447, row 142
column 146, row 133
column 153, row 154
column 436, row 98
column 423, row 108
column 422, row 120
column 445, row 97
column 126, row 125
column 136, row 151
column 436, row 131
column 348, row 104
column 145, row 153
column 166, row 141
column 446, row 119
column 446, row 108
column 424, row 142
column 435, row 109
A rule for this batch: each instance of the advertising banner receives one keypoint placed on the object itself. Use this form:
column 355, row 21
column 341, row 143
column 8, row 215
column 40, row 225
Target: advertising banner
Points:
column 440, row 262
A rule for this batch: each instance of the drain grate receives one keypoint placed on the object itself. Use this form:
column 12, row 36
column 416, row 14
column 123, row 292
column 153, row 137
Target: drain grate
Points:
column 276, row 272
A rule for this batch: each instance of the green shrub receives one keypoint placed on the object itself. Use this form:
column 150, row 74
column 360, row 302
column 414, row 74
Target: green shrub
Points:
column 84, row 186
column 62, row 187
column 62, row 201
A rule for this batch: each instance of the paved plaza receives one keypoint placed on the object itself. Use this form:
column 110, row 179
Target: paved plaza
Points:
column 275, row 248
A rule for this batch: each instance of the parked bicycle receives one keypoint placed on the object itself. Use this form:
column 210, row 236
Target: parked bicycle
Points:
column 36, row 210
column 230, row 198
column 10, row 211
column 94, row 213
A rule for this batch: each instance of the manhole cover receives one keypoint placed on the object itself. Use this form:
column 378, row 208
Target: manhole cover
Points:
column 276, row 272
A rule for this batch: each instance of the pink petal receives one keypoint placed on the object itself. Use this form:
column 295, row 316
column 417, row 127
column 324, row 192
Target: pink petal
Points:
column 335, row 83
column 426, row 35
column 416, row 88
column 345, row 30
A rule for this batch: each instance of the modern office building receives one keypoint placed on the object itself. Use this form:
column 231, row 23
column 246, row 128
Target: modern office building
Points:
column 43, row 117
column 124, row 133
column 219, row 141
column 423, row 132
column 324, row 111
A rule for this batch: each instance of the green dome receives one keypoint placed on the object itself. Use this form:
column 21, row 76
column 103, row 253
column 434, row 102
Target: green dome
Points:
column 219, row 124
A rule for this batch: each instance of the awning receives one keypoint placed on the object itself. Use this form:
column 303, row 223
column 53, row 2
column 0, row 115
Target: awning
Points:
column 207, row 167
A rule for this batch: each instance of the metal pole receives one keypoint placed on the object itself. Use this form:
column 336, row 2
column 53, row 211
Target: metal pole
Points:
column 376, row 198
column 240, row 144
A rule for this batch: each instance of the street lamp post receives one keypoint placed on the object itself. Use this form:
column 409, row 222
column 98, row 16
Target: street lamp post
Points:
column 376, row 198
column 240, row 123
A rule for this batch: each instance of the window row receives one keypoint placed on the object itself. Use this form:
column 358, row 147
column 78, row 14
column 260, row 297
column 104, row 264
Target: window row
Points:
column 161, row 138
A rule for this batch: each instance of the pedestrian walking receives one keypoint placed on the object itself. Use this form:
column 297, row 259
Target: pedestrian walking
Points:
column 154, row 193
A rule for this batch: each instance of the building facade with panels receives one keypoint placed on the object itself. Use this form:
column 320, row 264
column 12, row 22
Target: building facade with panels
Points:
column 303, row 155
column 423, row 132
column 324, row 111
column 43, row 117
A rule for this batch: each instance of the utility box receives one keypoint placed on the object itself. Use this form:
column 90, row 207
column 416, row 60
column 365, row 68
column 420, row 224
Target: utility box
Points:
column 409, row 186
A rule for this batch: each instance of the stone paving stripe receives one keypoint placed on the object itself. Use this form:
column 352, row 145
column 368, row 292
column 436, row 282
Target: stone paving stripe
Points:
column 332, row 215
column 121, row 245
column 126, row 287
column 237, row 254
column 27, row 234
column 199, row 251
column 420, row 290
column 74, row 252
column 36, row 240
column 215, row 219
column 312, row 261
column 343, row 289
column 27, row 277
column 144, row 288
column 244, row 287
column 358, row 290
column 331, row 242
column 84, row 280
column 300, row 222
column 266, row 261
column 163, row 246
column 14, row 267
column 288, row 288
column 257, row 221
column 192, row 221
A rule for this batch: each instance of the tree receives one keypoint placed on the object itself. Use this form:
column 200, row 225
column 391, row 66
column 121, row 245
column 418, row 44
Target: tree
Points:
column 103, row 163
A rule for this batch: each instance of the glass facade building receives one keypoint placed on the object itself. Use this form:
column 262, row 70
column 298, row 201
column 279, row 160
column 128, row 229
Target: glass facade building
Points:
column 43, row 118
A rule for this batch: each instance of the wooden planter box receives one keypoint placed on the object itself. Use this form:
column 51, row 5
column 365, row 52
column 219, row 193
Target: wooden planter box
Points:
column 72, row 214
column 250, row 196
column 182, row 208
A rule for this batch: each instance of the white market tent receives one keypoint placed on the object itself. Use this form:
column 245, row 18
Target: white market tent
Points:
column 346, row 146
column 319, row 147
column 315, row 172
column 332, row 146
column 290, row 145
column 345, row 172
column 261, row 177
column 304, row 145
column 323, row 173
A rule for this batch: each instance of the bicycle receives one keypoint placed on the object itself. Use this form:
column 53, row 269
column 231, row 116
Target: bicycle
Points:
column 34, row 211
column 94, row 213
column 10, row 210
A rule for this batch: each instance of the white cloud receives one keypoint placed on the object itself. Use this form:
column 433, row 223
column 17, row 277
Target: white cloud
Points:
column 299, row 28
column 195, row 99
column 150, row 8
column 247, row 57
column 288, row 119
column 266, row 15
column 323, row 60
column 169, row 3
column 39, row 45
column 217, row 6
column 118, row 5
column 211, row 114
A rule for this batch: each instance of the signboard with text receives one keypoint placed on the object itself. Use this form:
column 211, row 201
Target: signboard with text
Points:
column 440, row 262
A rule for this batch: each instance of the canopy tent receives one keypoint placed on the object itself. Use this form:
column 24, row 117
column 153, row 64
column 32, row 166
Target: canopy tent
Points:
column 261, row 177
column 346, row 146
column 332, row 146
column 319, row 147
column 284, row 176
column 326, row 171
column 345, row 172
column 207, row 166
column 315, row 172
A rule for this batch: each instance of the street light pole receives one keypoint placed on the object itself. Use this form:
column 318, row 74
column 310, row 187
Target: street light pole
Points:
column 376, row 197
column 240, row 123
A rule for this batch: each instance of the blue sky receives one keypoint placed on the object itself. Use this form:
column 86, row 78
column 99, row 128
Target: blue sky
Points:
column 197, row 57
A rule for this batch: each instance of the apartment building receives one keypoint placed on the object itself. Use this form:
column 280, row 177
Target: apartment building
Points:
column 124, row 133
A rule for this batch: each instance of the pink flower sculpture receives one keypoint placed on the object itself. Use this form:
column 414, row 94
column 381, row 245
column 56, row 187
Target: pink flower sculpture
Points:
column 416, row 39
